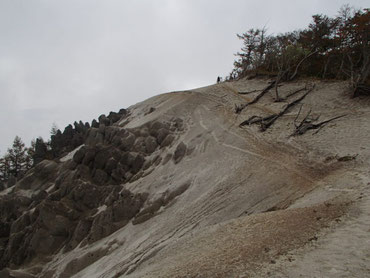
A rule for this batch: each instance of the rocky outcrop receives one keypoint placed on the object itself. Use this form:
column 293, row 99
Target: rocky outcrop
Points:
column 73, row 136
column 82, row 198
column 152, row 207
column 179, row 152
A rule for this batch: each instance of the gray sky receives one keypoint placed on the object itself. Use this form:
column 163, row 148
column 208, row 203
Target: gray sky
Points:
column 68, row 60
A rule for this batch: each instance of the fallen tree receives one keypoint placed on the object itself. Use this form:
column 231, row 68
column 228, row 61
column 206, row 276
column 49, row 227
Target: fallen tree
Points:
column 240, row 108
column 266, row 122
column 308, row 123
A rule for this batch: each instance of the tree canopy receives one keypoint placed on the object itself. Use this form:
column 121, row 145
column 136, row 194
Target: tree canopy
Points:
column 16, row 161
column 330, row 48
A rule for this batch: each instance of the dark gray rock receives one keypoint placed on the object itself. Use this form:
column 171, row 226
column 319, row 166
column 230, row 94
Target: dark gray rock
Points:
column 94, row 124
column 137, row 176
column 179, row 152
column 128, row 159
column 102, row 226
column 102, row 128
column 144, row 132
column 123, row 112
column 127, row 142
column 79, row 155
column 128, row 176
column 42, row 243
column 113, row 195
column 110, row 133
column 80, row 232
column 38, row 196
column 155, row 127
column 114, row 117
column 21, row 223
column 52, row 217
column 117, row 154
column 150, row 144
column 82, row 172
column 87, row 194
column 111, row 165
column 89, row 156
column 162, row 133
column 137, row 163
column 100, row 177
column 147, row 164
column 124, row 206
column 46, row 169
column 91, row 136
column 99, row 138
column 116, row 140
column 122, row 133
column 139, row 145
column 157, row 160
column 167, row 141
column 4, row 229
column 101, row 158
column 104, row 120
column 151, row 110
column 167, row 158
column 178, row 123
column 118, row 174
column 127, row 206
column 149, row 211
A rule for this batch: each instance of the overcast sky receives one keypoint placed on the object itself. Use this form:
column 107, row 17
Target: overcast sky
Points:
column 68, row 60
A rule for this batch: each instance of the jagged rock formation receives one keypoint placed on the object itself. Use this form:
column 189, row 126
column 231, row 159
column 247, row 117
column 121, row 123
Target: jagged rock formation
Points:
column 72, row 137
column 174, row 187
column 80, row 198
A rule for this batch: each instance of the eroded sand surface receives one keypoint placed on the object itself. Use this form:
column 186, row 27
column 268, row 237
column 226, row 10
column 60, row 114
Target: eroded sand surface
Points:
column 255, row 204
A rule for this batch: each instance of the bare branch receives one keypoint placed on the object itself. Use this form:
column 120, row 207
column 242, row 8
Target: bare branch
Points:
column 299, row 112
column 240, row 108
column 296, row 92
column 267, row 121
column 306, row 125
column 300, row 63
column 248, row 92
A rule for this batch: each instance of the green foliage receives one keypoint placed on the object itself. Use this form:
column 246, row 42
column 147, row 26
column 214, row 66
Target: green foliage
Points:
column 16, row 161
column 336, row 48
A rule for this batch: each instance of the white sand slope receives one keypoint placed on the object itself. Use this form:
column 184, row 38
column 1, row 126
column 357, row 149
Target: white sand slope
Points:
column 257, row 204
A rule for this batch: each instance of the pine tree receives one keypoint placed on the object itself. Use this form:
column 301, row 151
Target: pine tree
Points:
column 17, row 157
column 54, row 129
column 30, row 154
column 4, row 168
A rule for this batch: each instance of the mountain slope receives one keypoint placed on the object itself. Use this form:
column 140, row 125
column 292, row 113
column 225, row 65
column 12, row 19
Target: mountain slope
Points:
column 176, row 188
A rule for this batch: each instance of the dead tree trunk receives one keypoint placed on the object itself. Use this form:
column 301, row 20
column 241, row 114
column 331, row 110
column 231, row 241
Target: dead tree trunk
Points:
column 296, row 92
column 248, row 92
column 307, row 124
column 299, row 64
column 359, row 82
column 240, row 108
column 266, row 122
column 278, row 79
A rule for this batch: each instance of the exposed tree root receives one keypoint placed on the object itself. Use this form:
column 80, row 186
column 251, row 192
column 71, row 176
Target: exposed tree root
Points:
column 240, row 108
column 296, row 92
column 361, row 89
column 307, row 124
column 248, row 92
column 253, row 91
column 266, row 122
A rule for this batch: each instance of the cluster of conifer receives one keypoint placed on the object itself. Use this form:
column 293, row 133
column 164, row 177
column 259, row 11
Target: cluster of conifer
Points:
column 16, row 161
